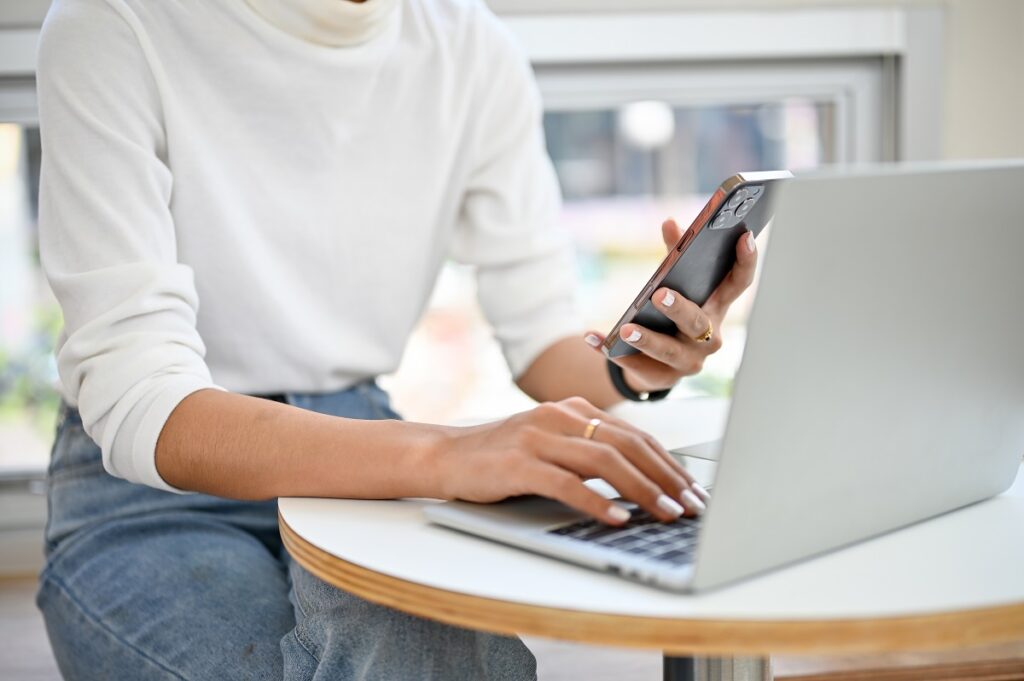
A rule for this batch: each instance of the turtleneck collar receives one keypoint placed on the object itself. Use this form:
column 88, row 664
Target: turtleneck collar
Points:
column 334, row 23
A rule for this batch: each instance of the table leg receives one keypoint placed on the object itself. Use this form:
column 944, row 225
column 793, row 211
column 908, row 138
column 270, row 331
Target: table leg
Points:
column 716, row 669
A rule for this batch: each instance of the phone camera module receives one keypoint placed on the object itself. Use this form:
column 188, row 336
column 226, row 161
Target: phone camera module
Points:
column 745, row 207
column 725, row 219
column 737, row 199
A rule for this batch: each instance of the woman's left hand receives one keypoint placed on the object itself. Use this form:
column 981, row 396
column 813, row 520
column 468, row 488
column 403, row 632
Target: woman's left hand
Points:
column 664, row 359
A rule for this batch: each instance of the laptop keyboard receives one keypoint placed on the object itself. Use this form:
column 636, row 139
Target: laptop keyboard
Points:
column 644, row 535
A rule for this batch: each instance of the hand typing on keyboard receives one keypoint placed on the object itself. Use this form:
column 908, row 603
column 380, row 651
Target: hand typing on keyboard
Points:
column 551, row 449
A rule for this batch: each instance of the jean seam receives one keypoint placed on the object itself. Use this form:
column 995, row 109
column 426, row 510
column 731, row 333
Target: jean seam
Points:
column 298, row 602
column 293, row 589
column 99, row 624
column 378, row 400
column 366, row 392
column 304, row 645
column 304, row 611
column 62, row 419
column 83, row 533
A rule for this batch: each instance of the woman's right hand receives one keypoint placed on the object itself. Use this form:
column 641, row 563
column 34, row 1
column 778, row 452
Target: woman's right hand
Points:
column 543, row 451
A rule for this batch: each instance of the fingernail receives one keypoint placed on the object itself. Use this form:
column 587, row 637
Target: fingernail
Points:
column 592, row 340
column 668, row 299
column 690, row 499
column 618, row 514
column 750, row 241
column 633, row 337
column 701, row 492
column 666, row 504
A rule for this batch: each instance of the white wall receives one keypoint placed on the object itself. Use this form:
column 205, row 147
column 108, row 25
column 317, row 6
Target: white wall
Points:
column 984, row 99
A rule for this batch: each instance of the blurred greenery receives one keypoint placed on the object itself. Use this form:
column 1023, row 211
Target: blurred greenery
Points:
column 715, row 385
column 28, row 380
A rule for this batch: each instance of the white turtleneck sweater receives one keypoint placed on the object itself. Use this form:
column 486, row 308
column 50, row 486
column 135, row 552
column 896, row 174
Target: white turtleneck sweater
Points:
column 334, row 23
column 259, row 197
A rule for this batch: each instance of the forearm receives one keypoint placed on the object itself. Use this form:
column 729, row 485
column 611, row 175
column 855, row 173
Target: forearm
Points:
column 570, row 368
column 244, row 447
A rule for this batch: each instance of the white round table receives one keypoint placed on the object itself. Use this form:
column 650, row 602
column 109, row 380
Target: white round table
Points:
column 953, row 581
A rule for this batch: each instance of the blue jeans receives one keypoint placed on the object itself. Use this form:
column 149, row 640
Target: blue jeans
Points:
column 144, row 584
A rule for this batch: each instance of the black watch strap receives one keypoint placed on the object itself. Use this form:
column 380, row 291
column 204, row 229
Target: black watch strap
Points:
column 619, row 381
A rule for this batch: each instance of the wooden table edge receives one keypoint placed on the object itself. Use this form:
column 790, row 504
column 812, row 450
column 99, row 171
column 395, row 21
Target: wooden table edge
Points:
column 963, row 628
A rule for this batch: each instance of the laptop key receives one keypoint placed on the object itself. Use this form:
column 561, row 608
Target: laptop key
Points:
column 642, row 535
column 675, row 557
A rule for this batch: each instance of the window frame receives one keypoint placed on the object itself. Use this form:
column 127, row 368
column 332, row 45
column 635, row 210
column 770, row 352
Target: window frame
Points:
column 18, row 99
column 903, row 46
column 855, row 88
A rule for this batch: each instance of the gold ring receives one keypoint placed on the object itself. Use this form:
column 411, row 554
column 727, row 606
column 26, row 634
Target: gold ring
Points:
column 588, row 434
column 706, row 336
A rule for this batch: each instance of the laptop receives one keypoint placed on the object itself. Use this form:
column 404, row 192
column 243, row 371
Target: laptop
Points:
column 882, row 383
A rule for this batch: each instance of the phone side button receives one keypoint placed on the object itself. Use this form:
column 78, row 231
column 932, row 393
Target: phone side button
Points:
column 644, row 297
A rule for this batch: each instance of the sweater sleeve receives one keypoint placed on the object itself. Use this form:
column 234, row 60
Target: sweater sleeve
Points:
column 508, row 228
column 129, row 351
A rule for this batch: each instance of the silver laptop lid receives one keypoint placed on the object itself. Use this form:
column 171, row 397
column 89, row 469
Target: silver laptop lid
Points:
column 883, row 377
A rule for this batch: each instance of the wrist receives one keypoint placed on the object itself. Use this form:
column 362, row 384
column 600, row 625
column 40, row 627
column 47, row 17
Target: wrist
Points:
column 629, row 389
column 430, row 450
column 635, row 383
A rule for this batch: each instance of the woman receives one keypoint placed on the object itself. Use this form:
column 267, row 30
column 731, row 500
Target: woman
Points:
column 244, row 206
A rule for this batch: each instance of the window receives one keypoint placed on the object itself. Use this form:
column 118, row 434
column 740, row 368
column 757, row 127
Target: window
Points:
column 634, row 143
column 624, row 170
column 29, row 316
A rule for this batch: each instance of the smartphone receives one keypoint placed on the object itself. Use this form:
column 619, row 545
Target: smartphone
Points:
column 705, row 253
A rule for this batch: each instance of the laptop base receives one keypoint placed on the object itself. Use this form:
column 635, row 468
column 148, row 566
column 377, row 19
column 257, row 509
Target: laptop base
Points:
column 716, row 669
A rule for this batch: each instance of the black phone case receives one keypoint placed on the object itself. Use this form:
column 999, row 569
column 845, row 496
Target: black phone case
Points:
column 708, row 255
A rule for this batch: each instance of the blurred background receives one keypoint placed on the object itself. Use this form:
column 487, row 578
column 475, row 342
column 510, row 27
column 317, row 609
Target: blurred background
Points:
column 649, row 105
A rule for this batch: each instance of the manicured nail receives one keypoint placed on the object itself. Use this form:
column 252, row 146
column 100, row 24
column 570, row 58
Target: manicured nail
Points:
column 750, row 241
column 618, row 514
column 666, row 504
column 668, row 299
column 633, row 337
column 701, row 492
column 690, row 499
column 592, row 340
